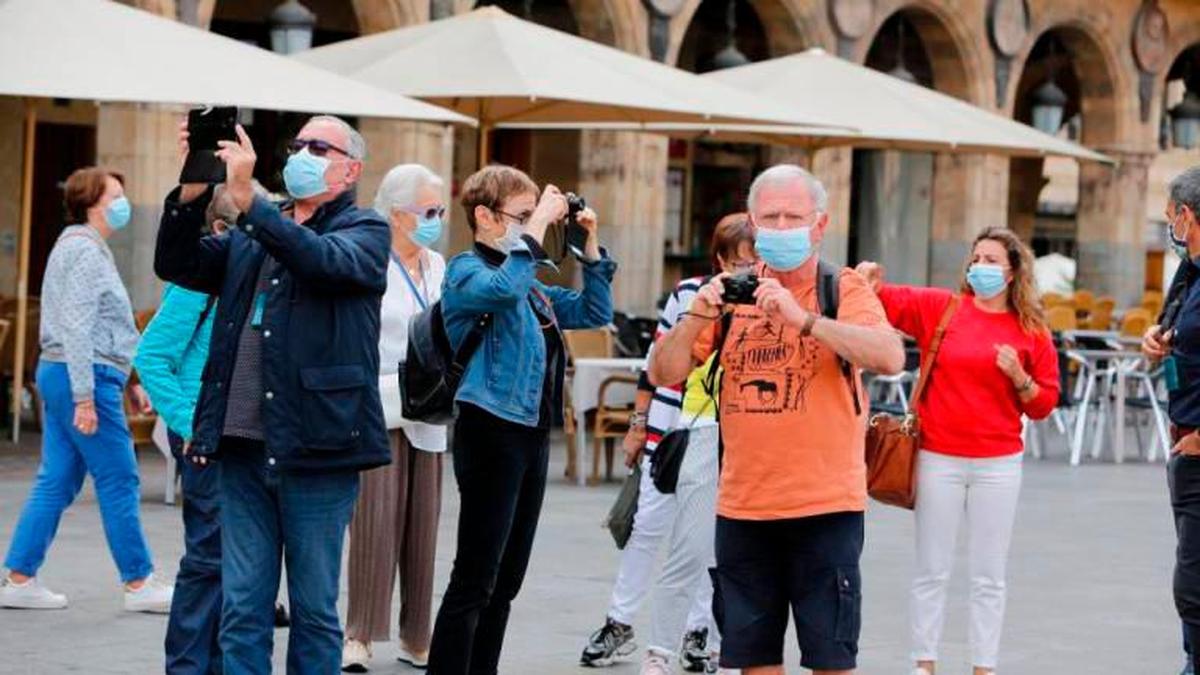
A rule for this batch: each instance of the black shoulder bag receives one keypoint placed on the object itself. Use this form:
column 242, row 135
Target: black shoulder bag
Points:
column 668, row 456
column 430, row 375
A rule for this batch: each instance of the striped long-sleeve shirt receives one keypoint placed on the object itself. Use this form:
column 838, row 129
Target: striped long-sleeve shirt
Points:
column 664, row 407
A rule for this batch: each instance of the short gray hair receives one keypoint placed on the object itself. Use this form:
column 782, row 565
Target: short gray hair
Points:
column 782, row 174
column 1184, row 190
column 400, row 186
column 357, row 146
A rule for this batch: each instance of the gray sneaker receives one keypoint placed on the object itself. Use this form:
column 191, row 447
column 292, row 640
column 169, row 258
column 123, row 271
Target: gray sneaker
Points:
column 612, row 641
column 696, row 656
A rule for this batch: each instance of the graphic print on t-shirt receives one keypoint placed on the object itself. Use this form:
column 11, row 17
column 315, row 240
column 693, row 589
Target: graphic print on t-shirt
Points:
column 769, row 367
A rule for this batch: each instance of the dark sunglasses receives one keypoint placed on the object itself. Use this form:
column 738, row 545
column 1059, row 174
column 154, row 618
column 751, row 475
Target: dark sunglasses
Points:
column 315, row 146
column 427, row 214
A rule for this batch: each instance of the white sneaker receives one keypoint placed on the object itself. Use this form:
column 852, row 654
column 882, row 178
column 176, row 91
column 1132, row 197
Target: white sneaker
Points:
column 154, row 597
column 30, row 595
column 418, row 661
column 355, row 656
column 656, row 664
column 920, row 671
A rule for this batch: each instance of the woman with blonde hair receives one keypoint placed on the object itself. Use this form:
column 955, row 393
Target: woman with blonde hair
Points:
column 996, row 364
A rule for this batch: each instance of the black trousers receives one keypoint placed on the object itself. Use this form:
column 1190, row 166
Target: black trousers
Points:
column 501, row 472
column 1183, row 477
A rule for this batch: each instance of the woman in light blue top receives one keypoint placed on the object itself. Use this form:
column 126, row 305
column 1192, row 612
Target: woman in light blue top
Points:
column 88, row 339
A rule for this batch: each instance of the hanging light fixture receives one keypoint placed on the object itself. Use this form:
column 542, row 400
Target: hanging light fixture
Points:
column 900, row 72
column 291, row 28
column 1185, row 121
column 1049, row 101
column 730, row 56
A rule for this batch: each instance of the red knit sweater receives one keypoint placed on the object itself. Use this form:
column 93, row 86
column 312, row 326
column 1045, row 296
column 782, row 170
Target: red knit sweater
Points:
column 970, row 407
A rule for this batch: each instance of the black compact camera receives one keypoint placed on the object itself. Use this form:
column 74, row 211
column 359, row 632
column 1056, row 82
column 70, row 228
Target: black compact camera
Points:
column 576, row 236
column 739, row 290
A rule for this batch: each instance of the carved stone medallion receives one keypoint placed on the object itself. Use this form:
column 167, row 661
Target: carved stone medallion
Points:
column 1008, row 22
column 1150, row 32
column 852, row 18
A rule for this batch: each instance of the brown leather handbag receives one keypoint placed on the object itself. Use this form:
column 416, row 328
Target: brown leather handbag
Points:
column 893, row 442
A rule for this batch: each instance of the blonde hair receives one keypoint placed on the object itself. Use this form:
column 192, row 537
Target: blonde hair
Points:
column 491, row 186
column 1022, row 294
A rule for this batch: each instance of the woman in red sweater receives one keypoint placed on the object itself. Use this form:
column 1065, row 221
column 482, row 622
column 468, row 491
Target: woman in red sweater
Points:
column 996, row 363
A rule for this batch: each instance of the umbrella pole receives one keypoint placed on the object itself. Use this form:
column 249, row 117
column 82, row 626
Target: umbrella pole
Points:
column 482, row 145
column 23, row 268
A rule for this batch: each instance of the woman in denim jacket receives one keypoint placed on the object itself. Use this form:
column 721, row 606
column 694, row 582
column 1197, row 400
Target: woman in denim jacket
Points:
column 509, row 396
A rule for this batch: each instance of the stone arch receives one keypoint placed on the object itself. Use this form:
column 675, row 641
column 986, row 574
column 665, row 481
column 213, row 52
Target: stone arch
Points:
column 790, row 25
column 1109, row 235
column 1102, row 77
column 952, row 46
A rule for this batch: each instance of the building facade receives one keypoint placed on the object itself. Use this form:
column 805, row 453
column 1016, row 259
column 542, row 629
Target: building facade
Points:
column 1120, row 64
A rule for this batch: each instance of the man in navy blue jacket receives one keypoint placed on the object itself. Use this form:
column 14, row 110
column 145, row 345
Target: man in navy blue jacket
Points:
column 289, row 404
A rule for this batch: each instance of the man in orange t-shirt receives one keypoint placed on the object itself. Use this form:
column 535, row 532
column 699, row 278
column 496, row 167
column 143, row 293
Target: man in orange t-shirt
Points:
column 793, row 481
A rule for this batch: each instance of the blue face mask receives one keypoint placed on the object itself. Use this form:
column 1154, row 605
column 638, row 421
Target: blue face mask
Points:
column 986, row 280
column 304, row 175
column 784, row 250
column 428, row 231
column 118, row 212
column 1177, row 245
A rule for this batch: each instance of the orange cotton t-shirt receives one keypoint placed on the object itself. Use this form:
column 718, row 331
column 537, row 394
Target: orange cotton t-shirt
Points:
column 793, row 444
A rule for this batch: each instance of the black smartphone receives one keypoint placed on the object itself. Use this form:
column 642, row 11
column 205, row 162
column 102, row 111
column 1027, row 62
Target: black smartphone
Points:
column 207, row 126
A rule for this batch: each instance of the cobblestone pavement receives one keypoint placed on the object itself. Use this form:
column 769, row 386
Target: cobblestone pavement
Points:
column 1089, row 583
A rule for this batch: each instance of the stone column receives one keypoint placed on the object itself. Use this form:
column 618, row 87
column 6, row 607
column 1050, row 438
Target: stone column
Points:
column 970, row 192
column 832, row 167
column 621, row 174
column 1112, row 224
column 391, row 142
column 142, row 142
column 12, row 145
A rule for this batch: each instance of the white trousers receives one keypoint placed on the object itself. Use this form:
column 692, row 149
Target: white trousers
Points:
column 684, row 582
column 986, row 490
column 651, row 524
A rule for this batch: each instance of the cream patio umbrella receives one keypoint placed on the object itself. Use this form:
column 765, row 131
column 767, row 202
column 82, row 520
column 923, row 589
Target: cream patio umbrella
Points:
column 512, row 73
column 105, row 51
column 885, row 112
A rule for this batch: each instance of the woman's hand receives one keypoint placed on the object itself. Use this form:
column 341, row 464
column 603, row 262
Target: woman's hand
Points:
column 587, row 220
column 141, row 400
column 239, row 158
column 633, row 444
column 85, row 417
column 551, row 208
column 872, row 273
column 1009, row 362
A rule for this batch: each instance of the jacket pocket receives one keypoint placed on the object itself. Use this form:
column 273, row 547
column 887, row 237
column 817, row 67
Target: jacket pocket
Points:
column 330, row 400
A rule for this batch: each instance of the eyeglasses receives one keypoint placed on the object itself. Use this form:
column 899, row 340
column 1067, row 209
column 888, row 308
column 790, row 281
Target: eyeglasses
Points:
column 315, row 146
column 520, row 220
column 426, row 213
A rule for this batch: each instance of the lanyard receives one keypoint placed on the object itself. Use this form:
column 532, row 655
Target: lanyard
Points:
column 421, row 300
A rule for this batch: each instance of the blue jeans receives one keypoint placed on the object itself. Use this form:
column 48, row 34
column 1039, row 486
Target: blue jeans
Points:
column 266, row 514
column 67, row 457
column 191, row 645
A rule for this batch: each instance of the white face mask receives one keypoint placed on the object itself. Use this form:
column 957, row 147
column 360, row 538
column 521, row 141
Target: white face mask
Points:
column 511, row 237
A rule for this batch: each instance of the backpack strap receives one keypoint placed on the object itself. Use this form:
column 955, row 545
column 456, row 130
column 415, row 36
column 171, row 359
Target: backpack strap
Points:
column 829, row 294
column 469, row 344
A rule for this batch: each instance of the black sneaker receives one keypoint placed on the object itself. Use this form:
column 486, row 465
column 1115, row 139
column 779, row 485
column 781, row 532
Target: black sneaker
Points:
column 281, row 616
column 612, row 641
column 695, row 651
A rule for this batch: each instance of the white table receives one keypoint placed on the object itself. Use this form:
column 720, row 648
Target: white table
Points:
column 1122, row 364
column 585, row 392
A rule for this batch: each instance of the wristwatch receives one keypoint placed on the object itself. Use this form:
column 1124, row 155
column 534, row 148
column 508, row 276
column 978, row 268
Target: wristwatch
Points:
column 637, row 420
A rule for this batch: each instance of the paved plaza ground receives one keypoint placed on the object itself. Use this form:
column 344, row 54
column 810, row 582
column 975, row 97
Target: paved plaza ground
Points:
column 1089, row 583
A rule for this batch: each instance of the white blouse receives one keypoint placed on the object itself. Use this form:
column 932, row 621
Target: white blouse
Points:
column 399, row 305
